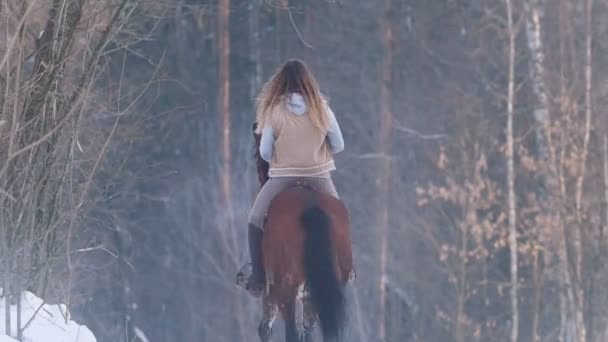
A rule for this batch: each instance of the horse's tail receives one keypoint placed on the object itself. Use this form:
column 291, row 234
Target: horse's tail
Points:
column 326, row 292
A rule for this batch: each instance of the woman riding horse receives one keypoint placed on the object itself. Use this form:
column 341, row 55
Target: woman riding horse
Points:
column 295, row 124
column 299, row 231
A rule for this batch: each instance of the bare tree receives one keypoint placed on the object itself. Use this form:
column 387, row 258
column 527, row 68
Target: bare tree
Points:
column 578, row 241
column 254, row 31
column 46, row 94
column 511, row 32
column 540, row 114
column 385, row 165
column 224, row 101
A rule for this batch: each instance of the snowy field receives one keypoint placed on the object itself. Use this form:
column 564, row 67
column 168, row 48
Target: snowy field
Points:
column 48, row 324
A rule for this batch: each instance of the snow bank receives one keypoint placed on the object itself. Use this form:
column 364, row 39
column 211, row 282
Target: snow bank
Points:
column 48, row 325
column 4, row 338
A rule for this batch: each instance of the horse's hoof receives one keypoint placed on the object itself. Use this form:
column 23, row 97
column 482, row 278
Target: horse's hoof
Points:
column 243, row 276
column 265, row 331
column 352, row 275
column 255, row 291
column 255, row 294
column 241, row 279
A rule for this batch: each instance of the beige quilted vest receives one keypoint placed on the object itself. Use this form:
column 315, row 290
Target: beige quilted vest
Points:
column 300, row 149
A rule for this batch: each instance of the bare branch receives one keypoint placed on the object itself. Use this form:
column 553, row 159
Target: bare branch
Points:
column 417, row 134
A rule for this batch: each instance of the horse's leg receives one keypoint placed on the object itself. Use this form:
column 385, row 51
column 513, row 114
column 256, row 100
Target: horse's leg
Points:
column 269, row 314
column 309, row 321
column 293, row 332
column 299, row 309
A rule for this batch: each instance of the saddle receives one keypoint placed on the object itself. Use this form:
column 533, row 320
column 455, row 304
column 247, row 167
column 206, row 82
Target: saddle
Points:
column 303, row 183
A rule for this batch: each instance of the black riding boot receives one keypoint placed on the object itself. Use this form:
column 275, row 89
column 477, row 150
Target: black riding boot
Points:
column 256, row 282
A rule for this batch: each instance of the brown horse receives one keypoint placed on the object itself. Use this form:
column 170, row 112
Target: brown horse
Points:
column 307, row 258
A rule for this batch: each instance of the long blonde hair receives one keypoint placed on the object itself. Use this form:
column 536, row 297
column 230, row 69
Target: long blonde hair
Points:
column 292, row 77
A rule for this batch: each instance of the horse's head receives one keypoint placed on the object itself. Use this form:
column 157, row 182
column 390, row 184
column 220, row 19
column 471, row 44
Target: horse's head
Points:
column 262, row 166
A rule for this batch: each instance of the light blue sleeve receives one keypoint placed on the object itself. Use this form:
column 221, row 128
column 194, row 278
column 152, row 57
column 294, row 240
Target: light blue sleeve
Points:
column 334, row 134
column 267, row 143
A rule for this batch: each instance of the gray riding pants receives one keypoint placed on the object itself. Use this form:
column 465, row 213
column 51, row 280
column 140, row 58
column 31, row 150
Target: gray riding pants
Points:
column 275, row 185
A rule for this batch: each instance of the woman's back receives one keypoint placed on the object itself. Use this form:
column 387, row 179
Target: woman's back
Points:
column 299, row 148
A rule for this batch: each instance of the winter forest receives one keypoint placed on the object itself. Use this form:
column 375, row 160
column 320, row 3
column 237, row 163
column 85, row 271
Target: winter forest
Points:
column 475, row 170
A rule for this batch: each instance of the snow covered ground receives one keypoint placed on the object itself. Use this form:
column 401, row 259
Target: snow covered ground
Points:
column 48, row 325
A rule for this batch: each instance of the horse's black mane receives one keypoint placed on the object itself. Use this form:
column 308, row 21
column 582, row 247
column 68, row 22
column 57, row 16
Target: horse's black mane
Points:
column 262, row 166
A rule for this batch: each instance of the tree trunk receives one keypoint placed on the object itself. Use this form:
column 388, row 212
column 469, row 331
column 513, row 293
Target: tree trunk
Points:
column 281, row 12
column 541, row 116
column 568, row 282
column 537, row 71
column 511, row 175
column 567, row 288
column 605, row 186
column 552, row 181
column 595, row 270
column 462, row 283
column 580, row 293
column 226, row 227
column 6, row 294
column 588, row 112
column 537, row 284
column 224, row 100
column 384, row 186
column 18, row 299
column 310, row 28
column 255, row 53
